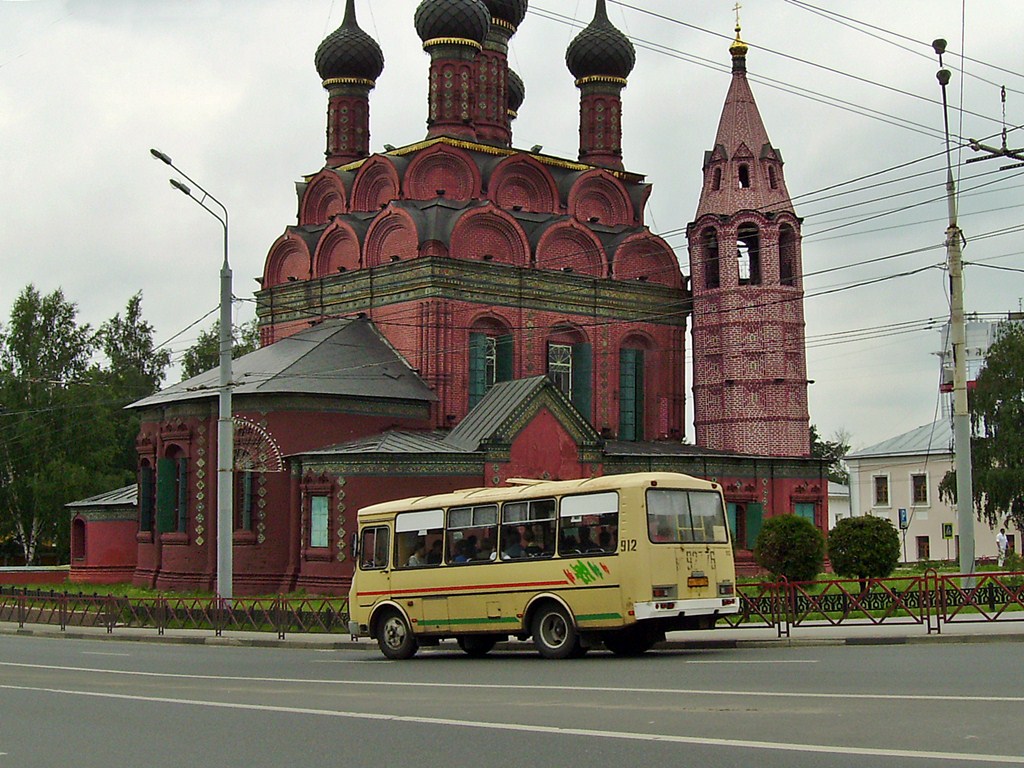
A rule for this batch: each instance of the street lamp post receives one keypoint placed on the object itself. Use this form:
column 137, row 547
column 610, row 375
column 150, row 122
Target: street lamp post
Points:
column 225, row 431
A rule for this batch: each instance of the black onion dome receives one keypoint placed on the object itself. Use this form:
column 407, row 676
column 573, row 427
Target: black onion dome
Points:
column 600, row 49
column 349, row 52
column 516, row 91
column 512, row 11
column 467, row 19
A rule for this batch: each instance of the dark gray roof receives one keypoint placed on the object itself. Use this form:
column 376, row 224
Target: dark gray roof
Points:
column 122, row 497
column 396, row 441
column 340, row 358
column 929, row 440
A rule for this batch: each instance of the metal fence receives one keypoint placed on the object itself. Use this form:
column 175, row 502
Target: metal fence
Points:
column 929, row 600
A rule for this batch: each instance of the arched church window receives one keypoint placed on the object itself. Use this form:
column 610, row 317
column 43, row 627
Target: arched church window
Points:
column 744, row 174
column 709, row 248
column 787, row 255
column 172, row 492
column 147, row 496
column 570, row 367
column 773, row 181
column 716, row 183
column 490, row 359
column 748, row 252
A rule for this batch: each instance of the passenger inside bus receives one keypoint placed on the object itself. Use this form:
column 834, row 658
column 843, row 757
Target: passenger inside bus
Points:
column 486, row 551
column 513, row 544
column 436, row 550
column 419, row 555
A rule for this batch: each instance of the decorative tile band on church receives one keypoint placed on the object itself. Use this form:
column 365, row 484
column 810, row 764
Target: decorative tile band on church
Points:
column 456, row 312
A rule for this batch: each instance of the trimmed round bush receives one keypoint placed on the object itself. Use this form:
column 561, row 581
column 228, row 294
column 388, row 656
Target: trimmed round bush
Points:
column 790, row 546
column 864, row 547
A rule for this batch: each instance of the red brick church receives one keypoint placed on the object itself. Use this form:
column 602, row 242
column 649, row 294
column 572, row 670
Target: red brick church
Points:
column 456, row 312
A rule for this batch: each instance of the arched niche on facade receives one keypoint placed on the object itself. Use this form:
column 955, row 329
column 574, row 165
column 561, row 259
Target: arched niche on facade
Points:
column 376, row 184
column 324, row 197
column 442, row 171
column 337, row 251
column 289, row 259
column 392, row 237
column 647, row 258
column 789, row 255
column 598, row 197
column 570, row 247
column 520, row 182
column 490, row 234
column 709, row 259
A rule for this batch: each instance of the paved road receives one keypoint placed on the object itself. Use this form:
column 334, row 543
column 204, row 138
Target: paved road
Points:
column 92, row 703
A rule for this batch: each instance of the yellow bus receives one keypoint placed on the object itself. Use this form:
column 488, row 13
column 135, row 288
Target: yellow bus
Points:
column 616, row 560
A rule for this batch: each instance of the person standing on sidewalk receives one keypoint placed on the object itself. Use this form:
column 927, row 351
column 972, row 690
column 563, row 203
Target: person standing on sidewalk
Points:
column 1001, row 543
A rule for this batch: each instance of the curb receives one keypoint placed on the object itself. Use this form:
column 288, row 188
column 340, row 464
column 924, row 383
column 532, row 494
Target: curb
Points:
column 299, row 642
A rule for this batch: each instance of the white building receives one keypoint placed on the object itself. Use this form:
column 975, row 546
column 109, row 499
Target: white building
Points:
column 899, row 479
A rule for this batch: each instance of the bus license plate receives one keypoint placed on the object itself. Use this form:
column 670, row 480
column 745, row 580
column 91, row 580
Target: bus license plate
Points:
column 697, row 581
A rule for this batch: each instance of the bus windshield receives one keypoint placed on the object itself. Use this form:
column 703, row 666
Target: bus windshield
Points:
column 685, row 517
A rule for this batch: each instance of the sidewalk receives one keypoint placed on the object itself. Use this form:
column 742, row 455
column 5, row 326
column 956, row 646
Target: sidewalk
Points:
column 760, row 637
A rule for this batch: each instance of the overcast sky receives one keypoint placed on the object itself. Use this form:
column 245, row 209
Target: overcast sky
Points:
column 228, row 89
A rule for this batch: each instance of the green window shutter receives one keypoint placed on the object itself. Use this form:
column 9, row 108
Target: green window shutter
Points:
column 631, row 394
column 805, row 510
column 627, row 394
column 730, row 511
column 504, row 362
column 146, row 498
column 755, row 514
column 166, row 494
column 477, row 367
column 246, row 516
column 182, row 506
column 582, row 390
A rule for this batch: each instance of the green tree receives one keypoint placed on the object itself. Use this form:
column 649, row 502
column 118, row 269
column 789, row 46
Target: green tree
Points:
column 997, row 426
column 832, row 451
column 134, row 369
column 790, row 546
column 54, row 441
column 204, row 355
column 864, row 547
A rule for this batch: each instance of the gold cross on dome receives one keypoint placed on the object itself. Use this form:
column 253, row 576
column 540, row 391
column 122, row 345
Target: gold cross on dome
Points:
column 737, row 9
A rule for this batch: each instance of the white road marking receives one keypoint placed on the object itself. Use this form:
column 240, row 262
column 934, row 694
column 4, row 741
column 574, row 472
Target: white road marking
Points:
column 781, row 746
column 766, row 661
column 523, row 686
column 101, row 653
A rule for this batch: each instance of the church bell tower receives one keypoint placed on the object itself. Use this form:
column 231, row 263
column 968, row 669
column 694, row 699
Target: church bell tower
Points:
column 749, row 363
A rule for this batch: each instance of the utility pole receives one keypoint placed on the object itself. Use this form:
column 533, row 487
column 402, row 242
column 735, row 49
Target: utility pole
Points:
column 958, row 334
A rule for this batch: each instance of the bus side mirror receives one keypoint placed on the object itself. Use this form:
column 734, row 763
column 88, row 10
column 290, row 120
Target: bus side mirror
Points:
column 355, row 547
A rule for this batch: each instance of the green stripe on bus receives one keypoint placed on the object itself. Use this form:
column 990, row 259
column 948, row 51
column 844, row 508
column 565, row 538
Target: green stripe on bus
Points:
column 598, row 616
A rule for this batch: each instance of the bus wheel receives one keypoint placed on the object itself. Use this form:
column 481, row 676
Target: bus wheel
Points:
column 476, row 645
column 629, row 642
column 394, row 637
column 554, row 635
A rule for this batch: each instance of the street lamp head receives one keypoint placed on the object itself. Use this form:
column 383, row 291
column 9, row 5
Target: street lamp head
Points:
column 183, row 188
column 160, row 156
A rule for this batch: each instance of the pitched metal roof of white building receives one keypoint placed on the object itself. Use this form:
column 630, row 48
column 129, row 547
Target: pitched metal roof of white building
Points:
column 929, row 439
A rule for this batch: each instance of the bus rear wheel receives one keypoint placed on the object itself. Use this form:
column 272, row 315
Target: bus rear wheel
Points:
column 394, row 637
column 554, row 634
column 476, row 645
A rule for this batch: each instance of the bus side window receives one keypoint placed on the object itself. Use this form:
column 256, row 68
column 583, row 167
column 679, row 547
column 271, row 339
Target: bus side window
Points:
column 374, row 548
column 418, row 537
column 588, row 524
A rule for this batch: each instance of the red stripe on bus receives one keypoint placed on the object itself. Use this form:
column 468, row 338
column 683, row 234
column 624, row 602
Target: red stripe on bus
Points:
column 466, row 587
